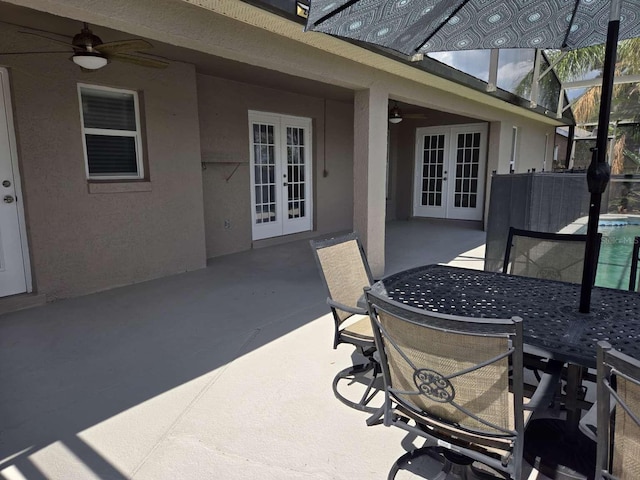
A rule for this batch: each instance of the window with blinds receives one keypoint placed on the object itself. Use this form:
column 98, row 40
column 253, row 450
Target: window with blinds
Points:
column 111, row 132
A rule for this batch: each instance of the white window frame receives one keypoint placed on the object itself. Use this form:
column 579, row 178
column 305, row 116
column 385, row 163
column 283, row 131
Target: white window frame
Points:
column 137, row 135
column 514, row 150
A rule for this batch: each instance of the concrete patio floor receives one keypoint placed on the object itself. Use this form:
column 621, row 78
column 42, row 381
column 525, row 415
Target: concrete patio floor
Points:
column 221, row 373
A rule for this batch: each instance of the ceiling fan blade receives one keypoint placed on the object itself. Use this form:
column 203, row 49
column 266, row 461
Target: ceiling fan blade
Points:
column 68, row 44
column 111, row 48
column 143, row 62
column 30, row 53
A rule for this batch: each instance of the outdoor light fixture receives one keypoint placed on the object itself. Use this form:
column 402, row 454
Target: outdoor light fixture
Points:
column 89, row 60
column 395, row 115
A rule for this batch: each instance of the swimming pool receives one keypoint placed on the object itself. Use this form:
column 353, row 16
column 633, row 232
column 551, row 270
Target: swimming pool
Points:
column 614, row 263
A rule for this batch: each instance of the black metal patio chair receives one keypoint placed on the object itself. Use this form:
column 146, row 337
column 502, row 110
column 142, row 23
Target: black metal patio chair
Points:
column 552, row 256
column 618, row 454
column 633, row 274
column 447, row 379
column 345, row 271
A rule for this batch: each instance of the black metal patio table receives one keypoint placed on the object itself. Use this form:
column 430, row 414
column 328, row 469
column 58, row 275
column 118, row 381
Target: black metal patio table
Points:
column 553, row 328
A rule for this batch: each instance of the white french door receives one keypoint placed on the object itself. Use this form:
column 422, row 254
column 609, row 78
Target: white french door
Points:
column 450, row 172
column 280, row 154
column 14, row 263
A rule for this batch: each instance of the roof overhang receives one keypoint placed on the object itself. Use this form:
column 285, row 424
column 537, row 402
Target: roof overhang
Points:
column 279, row 17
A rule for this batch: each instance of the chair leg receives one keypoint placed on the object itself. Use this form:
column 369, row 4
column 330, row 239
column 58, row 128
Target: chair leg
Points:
column 454, row 466
column 370, row 392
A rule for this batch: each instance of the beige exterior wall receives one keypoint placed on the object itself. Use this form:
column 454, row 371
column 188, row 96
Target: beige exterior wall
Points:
column 334, row 192
column 80, row 241
column 530, row 145
column 224, row 127
column 536, row 147
column 529, row 152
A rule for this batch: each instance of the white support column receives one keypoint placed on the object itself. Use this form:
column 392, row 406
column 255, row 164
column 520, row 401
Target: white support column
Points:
column 535, row 81
column 492, row 84
column 369, row 172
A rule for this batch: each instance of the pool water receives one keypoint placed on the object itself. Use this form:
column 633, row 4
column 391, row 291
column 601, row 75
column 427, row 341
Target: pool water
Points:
column 614, row 264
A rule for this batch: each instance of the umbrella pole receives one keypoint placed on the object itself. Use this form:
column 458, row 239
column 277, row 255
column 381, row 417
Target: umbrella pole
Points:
column 598, row 172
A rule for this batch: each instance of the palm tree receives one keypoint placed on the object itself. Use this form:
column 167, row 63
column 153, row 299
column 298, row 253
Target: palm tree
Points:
column 578, row 64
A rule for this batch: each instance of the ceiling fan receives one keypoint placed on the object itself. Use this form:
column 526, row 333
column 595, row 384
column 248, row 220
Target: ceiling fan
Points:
column 90, row 53
column 396, row 115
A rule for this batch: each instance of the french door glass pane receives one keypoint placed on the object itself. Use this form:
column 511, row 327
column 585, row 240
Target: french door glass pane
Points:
column 467, row 160
column 432, row 170
column 295, row 172
column 264, row 173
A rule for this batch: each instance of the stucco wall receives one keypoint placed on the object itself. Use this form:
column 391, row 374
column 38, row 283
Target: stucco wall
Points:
column 535, row 149
column 530, row 151
column 80, row 241
column 45, row 99
column 224, row 127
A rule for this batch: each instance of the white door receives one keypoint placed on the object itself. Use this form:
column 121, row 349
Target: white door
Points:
column 280, row 154
column 13, row 264
column 450, row 172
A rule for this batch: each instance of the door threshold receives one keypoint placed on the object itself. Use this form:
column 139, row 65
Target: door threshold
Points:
column 13, row 303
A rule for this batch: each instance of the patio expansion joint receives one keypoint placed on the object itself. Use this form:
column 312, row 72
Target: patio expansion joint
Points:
column 250, row 337
column 312, row 474
column 242, row 349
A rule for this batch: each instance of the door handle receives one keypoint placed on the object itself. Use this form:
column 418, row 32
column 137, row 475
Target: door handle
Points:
column 6, row 183
column 8, row 199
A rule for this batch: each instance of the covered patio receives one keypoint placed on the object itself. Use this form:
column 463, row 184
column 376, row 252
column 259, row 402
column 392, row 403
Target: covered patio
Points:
column 223, row 372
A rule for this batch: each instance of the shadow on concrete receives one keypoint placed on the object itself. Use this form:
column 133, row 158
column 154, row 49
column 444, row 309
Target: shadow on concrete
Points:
column 70, row 365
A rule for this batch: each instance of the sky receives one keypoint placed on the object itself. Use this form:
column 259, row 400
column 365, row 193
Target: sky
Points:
column 513, row 64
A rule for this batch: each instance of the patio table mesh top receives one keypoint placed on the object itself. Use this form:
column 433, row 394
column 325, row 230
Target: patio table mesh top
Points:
column 553, row 326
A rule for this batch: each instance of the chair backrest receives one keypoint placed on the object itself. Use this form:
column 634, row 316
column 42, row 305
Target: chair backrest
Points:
column 634, row 265
column 552, row 256
column 618, row 454
column 344, row 270
column 451, row 371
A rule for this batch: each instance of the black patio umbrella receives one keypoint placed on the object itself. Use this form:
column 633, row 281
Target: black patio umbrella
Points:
column 420, row 26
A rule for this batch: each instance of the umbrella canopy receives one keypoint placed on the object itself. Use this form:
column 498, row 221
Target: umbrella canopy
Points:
column 420, row 26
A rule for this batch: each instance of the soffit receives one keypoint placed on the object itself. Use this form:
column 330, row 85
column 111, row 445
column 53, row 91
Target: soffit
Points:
column 207, row 64
column 271, row 22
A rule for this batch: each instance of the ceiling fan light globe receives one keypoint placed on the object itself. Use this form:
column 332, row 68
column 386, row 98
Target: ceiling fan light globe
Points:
column 90, row 61
column 395, row 115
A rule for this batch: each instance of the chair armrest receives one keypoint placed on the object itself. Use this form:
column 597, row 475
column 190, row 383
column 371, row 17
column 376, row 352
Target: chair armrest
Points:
column 546, row 389
column 589, row 422
column 355, row 310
